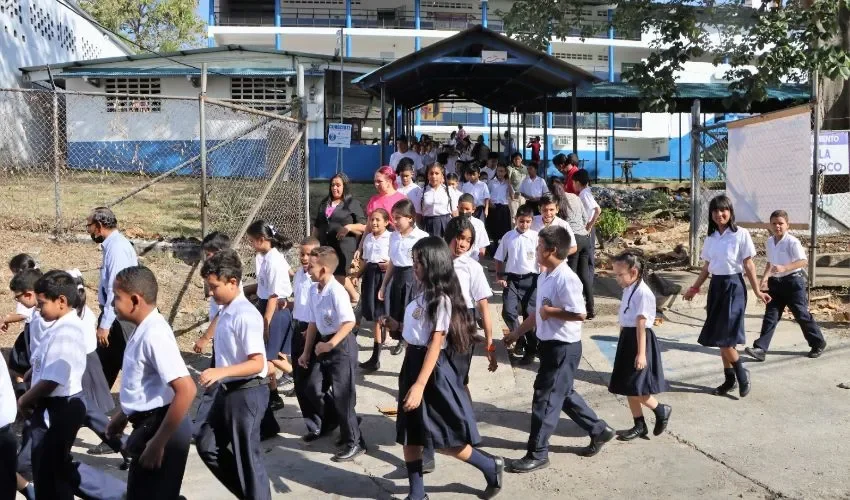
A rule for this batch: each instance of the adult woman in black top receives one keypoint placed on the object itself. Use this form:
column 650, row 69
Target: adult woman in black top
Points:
column 339, row 223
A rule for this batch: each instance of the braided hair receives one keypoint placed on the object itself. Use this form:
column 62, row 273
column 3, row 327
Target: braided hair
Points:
column 632, row 261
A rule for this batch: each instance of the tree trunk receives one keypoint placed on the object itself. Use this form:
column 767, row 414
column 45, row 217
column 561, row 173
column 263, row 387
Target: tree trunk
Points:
column 834, row 95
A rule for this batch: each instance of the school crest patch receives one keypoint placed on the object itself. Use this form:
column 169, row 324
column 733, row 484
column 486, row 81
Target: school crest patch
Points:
column 418, row 313
column 547, row 301
column 328, row 318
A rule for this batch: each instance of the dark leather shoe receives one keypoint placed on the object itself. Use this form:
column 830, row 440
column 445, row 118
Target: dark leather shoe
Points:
column 527, row 358
column 101, row 449
column 724, row 388
column 127, row 461
column 397, row 349
column 423, row 498
column 638, row 431
column 817, row 351
column 662, row 416
column 276, row 402
column 527, row 464
column 371, row 365
column 757, row 353
column 429, row 467
column 745, row 384
column 519, row 350
column 495, row 488
column 597, row 441
column 311, row 436
column 349, row 453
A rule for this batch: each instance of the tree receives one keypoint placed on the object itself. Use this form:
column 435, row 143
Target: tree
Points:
column 778, row 42
column 160, row 25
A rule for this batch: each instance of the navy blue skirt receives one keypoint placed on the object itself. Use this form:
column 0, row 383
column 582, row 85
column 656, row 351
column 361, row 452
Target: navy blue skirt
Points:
column 436, row 225
column 445, row 418
column 724, row 320
column 625, row 379
column 401, row 291
column 462, row 361
column 280, row 334
column 498, row 222
column 371, row 307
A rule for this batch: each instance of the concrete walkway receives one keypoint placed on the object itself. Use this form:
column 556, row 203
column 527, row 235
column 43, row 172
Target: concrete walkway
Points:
column 786, row 439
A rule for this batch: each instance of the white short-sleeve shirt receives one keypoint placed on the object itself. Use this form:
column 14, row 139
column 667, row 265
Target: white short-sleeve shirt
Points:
column 24, row 311
column 588, row 202
column 519, row 252
column 272, row 275
column 38, row 331
column 401, row 247
column 787, row 251
column 639, row 303
column 418, row 327
column 491, row 172
column 499, row 192
column 413, row 193
column 478, row 190
column 215, row 308
column 90, row 328
column 560, row 288
column 533, row 188
column 537, row 225
column 725, row 252
column 330, row 307
column 302, row 283
column 151, row 362
column 238, row 335
column 482, row 239
column 8, row 401
column 377, row 249
column 473, row 281
column 61, row 356
column 438, row 201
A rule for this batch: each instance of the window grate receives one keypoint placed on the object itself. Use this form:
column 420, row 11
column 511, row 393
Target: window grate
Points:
column 137, row 87
column 272, row 91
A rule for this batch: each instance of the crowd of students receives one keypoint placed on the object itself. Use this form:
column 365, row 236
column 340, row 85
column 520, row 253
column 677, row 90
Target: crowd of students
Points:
column 424, row 288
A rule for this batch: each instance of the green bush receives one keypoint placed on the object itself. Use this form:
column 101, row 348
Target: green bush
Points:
column 611, row 224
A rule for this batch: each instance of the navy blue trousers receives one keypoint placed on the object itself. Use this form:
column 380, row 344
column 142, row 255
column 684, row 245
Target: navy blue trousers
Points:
column 788, row 291
column 314, row 401
column 54, row 474
column 515, row 301
column 554, row 392
column 164, row 482
column 230, row 442
column 338, row 368
column 9, row 461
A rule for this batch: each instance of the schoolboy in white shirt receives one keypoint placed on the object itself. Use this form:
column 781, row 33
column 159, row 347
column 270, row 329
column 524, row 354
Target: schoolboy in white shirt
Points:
column 549, row 217
column 479, row 191
column 466, row 206
column 581, row 183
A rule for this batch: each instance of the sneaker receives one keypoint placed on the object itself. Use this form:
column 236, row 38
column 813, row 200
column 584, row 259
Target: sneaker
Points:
column 817, row 351
column 758, row 354
column 275, row 402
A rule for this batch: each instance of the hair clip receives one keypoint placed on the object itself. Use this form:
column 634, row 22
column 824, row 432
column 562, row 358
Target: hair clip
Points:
column 272, row 229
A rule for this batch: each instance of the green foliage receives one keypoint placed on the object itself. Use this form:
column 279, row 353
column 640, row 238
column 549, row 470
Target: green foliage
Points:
column 160, row 25
column 611, row 224
column 764, row 46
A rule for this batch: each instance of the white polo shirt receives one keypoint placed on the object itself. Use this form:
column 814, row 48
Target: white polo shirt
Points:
column 413, row 155
column 473, row 281
column 401, row 247
column 272, row 275
column 151, row 362
column 24, row 311
column 330, row 307
column 8, row 402
column 537, row 225
column 478, row 190
column 588, row 202
column 519, row 252
column 418, row 327
column 533, row 188
column 482, row 239
column 413, row 193
column 61, row 356
column 437, row 201
column 90, row 327
column 38, row 331
column 377, row 250
column 215, row 308
column 239, row 334
column 302, row 283
column 787, row 251
column 499, row 192
column 560, row 288
column 725, row 253
column 642, row 303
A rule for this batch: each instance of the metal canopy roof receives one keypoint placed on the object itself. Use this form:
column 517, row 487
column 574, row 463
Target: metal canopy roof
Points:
column 454, row 68
column 621, row 97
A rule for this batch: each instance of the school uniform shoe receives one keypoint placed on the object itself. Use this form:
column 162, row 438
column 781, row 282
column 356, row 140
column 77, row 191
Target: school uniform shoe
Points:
column 101, row 449
column 494, row 489
column 597, row 441
column 350, row 452
column 275, row 402
column 638, row 431
column 527, row 358
column 397, row 349
column 527, row 464
column 662, row 417
column 519, row 351
column 757, row 353
column 817, row 351
column 371, row 365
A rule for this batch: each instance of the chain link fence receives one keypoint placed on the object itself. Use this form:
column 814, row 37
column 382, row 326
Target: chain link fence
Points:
column 64, row 153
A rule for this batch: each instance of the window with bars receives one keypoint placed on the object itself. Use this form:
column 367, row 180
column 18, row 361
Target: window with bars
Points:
column 450, row 5
column 573, row 57
column 140, row 87
column 602, row 57
column 271, row 92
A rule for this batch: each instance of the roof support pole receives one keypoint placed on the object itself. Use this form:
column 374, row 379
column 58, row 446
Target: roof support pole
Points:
column 348, row 27
column 508, row 139
column 575, row 119
column 417, row 17
column 545, row 169
column 484, row 13
column 524, row 136
column 384, row 139
column 611, row 145
column 211, row 22
column 278, row 41
column 489, row 115
column 596, row 146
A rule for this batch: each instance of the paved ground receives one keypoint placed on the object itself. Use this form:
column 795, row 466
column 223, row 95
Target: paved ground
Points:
column 786, row 439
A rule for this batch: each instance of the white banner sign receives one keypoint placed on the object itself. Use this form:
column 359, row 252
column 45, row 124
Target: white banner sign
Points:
column 833, row 153
column 493, row 56
column 339, row 135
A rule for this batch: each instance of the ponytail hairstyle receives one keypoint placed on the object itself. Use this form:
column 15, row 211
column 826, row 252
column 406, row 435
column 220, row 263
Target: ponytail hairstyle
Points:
column 22, row 261
column 262, row 229
column 439, row 283
column 632, row 261
column 721, row 202
column 442, row 169
column 81, row 290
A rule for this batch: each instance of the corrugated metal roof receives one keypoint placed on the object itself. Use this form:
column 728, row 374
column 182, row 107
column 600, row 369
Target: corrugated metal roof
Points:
column 137, row 72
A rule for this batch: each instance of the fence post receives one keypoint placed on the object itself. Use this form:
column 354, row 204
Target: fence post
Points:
column 695, row 195
column 302, row 115
column 56, row 165
column 813, row 245
column 202, row 135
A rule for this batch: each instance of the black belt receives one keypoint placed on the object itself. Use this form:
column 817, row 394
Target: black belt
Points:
column 789, row 276
column 436, row 216
column 247, row 383
column 141, row 416
column 514, row 276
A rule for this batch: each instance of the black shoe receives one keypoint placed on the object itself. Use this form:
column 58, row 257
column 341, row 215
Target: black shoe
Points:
column 396, row 349
column 638, row 431
column 275, row 402
column 289, row 393
column 127, row 461
column 519, row 351
column 423, row 498
column 494, row 489
column 349, row 453
column 265, row 436
column 596, row 442
column 817, row 351
column 724, row 388
column 662, row 417
column 311, row 436
column 527, row 358
column 372, row 365
column 589, row 316
column 527, row 464
column 101, row 449
column 745, row 384
column 757, row 353
column 429, row 467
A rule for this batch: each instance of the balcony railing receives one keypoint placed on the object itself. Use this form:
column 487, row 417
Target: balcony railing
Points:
column 623, row 121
